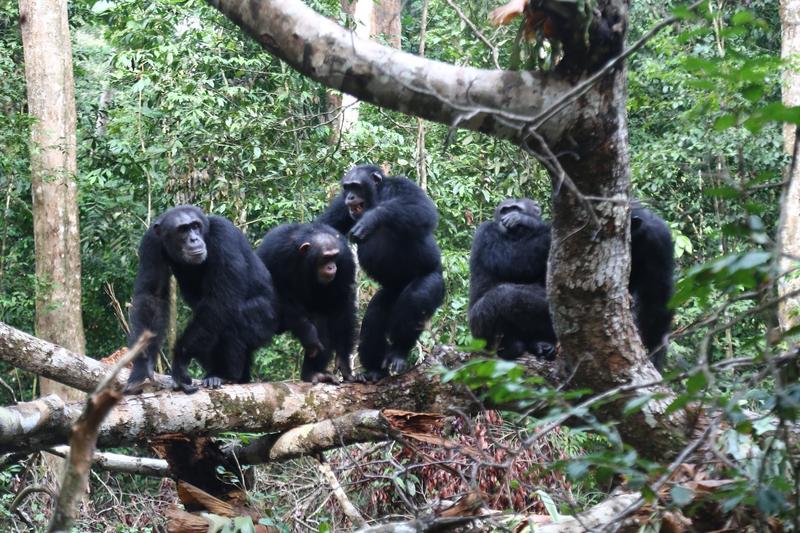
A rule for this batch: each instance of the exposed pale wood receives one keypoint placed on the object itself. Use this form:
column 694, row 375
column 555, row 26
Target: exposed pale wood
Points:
column 27, row 352
column 482, row 100
column 83, row 438
column 789, row 228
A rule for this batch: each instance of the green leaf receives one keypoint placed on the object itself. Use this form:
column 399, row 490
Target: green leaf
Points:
column 681, row 496
column 549, row 505
column 635, row 405
column 696, row 382
column 724, row 122
column 753, row 92
column 770, row 501
column 577, row 469
column 243, row 524
column 678, row 403
column 742, row 17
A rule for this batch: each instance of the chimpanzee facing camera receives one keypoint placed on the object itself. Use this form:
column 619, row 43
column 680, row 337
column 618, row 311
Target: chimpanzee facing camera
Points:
column 508, row 302
column 392, row 221
column 220, row 278
column 314, row 274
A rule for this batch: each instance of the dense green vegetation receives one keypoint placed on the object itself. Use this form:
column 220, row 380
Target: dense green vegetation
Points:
column 200, row 114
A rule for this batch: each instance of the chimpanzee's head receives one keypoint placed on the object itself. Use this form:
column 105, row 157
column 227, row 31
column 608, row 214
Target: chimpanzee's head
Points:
column 523, row 206
column 183, row 231
column 320, row 253
column 360, row 186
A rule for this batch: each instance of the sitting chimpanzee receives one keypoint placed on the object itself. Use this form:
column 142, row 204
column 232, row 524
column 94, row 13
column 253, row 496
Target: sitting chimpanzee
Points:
column 392, row 221
column 651, row 282
column 314, row 274
column 507, row 298
column 227, row 287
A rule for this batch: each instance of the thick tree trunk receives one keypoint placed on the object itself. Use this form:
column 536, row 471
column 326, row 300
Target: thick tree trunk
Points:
column 789, row 228
column 387, row 22
column 590, row 258
column 51, row 101
column 263, row 407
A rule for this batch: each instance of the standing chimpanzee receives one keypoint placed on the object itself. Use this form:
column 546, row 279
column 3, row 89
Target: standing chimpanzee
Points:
column 651, row 283
column 315, row 275
column 392, row 221
column 227, row 287
column 507, row 298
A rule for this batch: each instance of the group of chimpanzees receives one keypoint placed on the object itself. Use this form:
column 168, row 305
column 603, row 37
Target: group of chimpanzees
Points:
column 301, row 279
column 508, row 300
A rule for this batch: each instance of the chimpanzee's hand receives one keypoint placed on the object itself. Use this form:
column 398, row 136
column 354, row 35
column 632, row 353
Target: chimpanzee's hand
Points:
column 362, row 229
column 512, row 220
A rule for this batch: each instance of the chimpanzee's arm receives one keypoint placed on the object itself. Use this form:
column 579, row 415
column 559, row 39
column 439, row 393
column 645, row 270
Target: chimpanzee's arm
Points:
column 297, row 321
column 404, row 207
column 149, row 308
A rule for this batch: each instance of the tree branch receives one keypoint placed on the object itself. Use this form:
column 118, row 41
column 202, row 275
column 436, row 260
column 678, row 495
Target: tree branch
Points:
column 309, row 439
column 262, row 407
column 82, row 442
column 125, row 464
column 48, row 360
column 495, row 102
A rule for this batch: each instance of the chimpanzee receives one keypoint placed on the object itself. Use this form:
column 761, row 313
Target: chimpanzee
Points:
column 392, row 220
column 314, row 274
column 651, row 283
column 508, row 264
column 227, row 287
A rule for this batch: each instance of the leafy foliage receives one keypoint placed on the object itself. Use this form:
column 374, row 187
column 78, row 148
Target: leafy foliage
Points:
column 175, row 105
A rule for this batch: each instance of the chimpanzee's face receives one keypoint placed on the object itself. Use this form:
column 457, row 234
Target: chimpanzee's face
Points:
column 322, row 251
column 523, row 206
column 360, row 189
column 183, row 231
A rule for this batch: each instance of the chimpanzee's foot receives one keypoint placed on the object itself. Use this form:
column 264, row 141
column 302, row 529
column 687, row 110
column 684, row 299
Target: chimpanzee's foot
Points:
column 212, row 382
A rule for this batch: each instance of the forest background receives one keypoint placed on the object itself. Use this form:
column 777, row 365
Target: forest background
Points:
column 176, row 105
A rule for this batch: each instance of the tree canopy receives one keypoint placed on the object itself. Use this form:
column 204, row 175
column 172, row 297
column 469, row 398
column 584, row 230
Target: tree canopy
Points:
column 605, row 101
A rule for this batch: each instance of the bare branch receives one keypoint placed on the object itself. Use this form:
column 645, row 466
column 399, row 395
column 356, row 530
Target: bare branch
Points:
column 48, row 360
column 324, row 51
column 311, row 439
column 83, row 440
column 125, row 464
column 348, row 508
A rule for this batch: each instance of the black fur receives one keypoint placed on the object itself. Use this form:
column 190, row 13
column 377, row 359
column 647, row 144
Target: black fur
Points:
column 508, row 302
column 392, row 220
column 320, row 313
column 227, row 287
column 651, row 282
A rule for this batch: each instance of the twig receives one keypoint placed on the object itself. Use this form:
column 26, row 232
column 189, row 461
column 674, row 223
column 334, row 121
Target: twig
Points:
column 24, row 493
column 84, row 438
column 476, row 31
column 115, row 305
column 348, row 508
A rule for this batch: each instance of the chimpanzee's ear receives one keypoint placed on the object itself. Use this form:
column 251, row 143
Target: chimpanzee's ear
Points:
column 305, row 247
column 636, row 222
column 157, row 229
column 377, row 177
